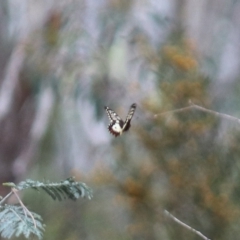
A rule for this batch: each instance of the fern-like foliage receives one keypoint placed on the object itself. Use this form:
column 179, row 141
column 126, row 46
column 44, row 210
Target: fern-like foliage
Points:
column 60, row 190
column 15, row 220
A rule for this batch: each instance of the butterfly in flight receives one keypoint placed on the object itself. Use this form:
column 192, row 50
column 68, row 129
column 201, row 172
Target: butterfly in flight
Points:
column 117, row 126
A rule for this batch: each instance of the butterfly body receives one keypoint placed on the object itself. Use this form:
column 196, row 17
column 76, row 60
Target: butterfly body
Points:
column 117, row 126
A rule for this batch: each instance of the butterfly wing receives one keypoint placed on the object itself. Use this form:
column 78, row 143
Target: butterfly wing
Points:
column 115, row 126
column 127, row 123
column 112, row 115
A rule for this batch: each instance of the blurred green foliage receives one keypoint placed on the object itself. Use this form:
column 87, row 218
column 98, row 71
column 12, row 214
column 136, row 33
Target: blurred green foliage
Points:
column 185, row 162
column 178, row 162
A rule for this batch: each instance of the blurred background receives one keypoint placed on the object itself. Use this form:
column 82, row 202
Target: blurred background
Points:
column 62, row 61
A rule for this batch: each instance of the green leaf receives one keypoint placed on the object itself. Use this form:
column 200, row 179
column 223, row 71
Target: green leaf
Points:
column 14, row 221
column 60, row 190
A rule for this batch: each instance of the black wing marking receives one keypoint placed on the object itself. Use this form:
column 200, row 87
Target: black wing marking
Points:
column 127, row 123
column 116, row 123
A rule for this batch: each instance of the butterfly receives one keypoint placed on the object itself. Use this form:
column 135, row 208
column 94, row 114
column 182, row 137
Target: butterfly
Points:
column 117, row 126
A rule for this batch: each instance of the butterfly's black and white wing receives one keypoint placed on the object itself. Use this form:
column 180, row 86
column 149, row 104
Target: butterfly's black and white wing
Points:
column 115, row 126
column 127, row 123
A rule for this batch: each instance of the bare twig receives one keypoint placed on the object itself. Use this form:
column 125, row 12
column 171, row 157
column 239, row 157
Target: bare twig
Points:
column 16, row 214
column 5, row 198
column 194, row 106
column 24, row 207
column 173, row 111
column 185, row 225
column 223, row 115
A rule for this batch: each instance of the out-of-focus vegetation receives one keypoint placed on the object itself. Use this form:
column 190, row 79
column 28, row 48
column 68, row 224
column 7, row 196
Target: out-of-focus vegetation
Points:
column 17, row 220
column 79, row 56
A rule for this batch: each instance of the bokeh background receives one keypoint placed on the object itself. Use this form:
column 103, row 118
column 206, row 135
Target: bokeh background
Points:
column 62, row 61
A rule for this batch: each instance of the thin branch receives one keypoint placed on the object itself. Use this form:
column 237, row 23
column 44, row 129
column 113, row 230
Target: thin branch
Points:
column 5, row 198
column 16, row 214
column 173, row 111
column 223, row 115
column 194, row 106
column 24, row 207
column 168, row 214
